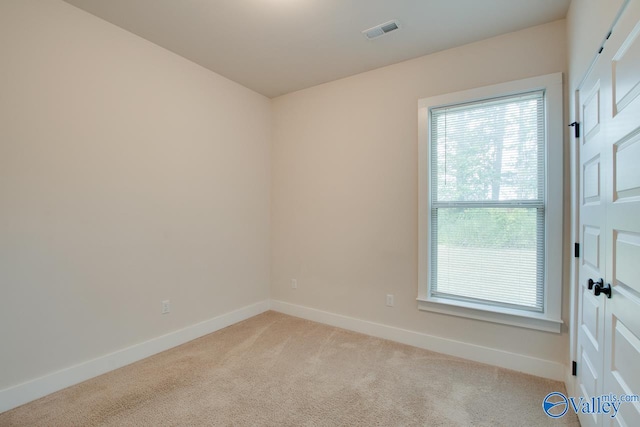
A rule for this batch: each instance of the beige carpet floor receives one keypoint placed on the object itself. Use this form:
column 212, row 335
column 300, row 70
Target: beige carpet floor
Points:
column 279, row 370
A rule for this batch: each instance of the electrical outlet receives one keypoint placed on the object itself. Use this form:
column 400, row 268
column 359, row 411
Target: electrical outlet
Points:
column 389, row 300
column 166, row 306
column 294, row 283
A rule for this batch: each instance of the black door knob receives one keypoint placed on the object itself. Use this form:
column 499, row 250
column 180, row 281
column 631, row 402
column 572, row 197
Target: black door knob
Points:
column 590, row 283
column 599, row 289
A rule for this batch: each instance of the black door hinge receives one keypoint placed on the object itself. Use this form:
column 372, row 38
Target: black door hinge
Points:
column 576, row 250
column 574, row 368
column 576, row 127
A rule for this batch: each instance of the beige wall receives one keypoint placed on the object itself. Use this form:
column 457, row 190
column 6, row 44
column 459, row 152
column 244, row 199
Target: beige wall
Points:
column 128, row 175
column 345, row 182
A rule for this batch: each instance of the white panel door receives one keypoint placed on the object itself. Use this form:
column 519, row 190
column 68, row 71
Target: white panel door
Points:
column 590, row 353
column 622, row 147
column 609, row 314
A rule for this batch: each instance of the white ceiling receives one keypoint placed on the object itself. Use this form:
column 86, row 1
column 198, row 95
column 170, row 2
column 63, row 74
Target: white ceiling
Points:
column 279, row 46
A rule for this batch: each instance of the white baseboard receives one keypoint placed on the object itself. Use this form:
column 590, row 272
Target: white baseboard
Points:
column 491, row 356
column 26, row 392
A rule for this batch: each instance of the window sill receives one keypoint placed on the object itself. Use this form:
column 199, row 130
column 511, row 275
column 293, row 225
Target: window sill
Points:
column 500, row 315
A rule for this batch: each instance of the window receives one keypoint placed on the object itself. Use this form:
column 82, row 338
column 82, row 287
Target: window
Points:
column 490, row 197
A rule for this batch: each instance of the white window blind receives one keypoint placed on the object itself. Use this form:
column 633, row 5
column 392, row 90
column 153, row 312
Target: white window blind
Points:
column 487, row 184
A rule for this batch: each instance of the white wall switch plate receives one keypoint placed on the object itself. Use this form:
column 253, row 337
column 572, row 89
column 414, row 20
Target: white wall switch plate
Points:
column 166, row 306
column 389, row 300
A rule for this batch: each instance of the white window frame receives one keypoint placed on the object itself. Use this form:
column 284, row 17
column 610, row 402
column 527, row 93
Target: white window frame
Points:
column 550, row 318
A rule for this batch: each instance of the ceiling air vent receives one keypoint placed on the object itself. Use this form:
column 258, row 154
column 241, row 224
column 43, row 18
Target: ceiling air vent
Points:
column 381, row 30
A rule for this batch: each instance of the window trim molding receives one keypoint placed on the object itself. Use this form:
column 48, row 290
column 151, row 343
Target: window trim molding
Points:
column 550, row 319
